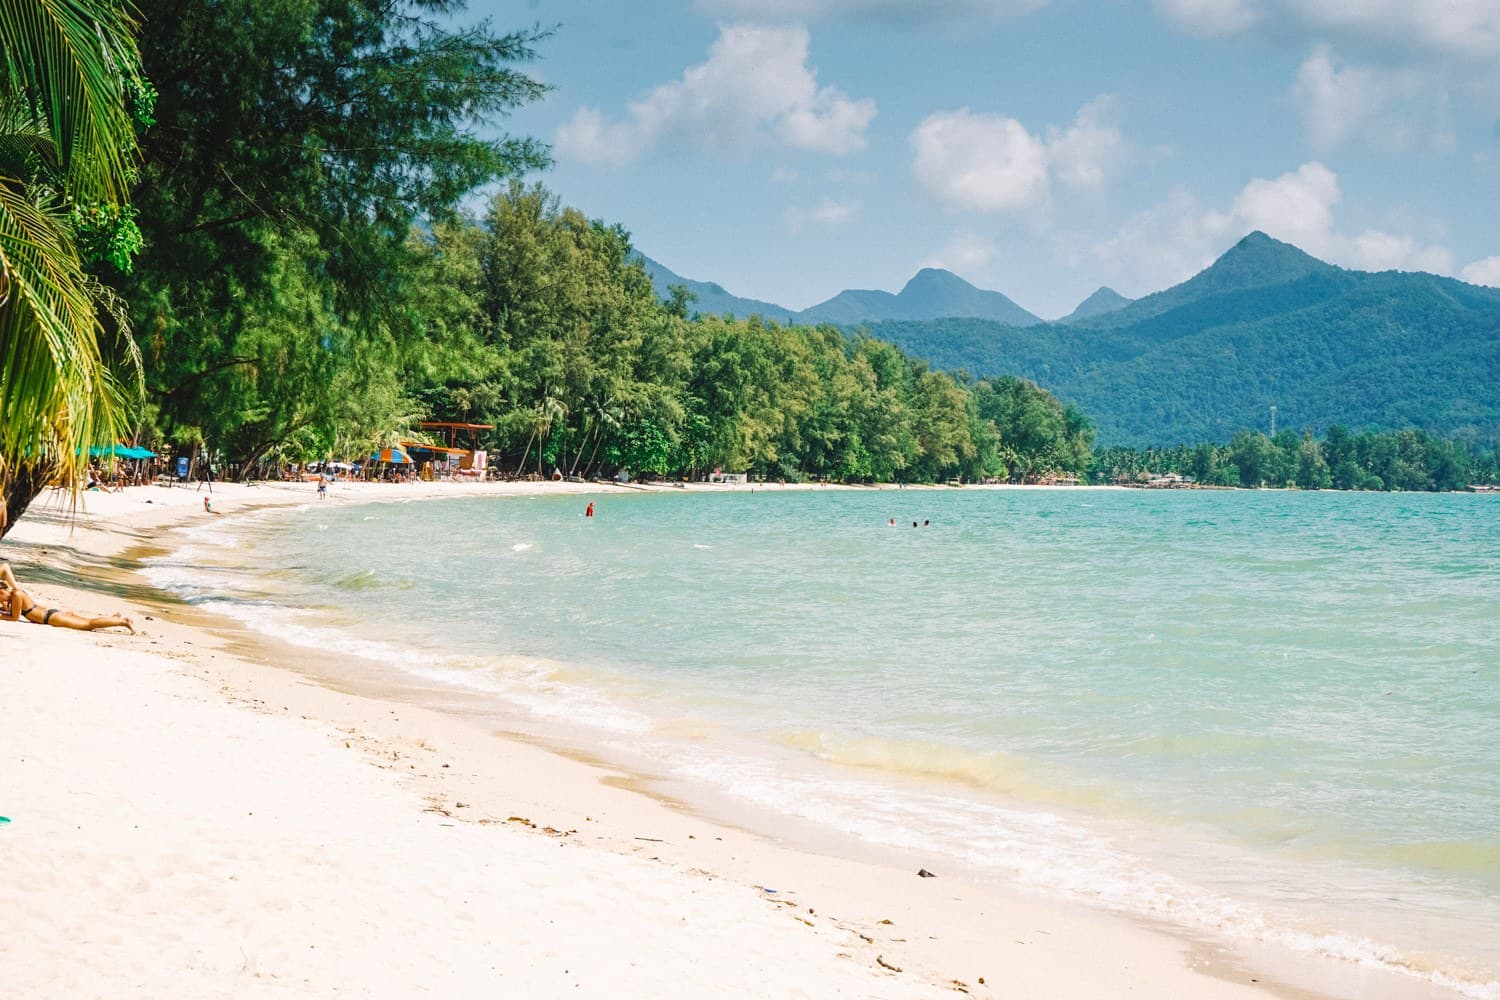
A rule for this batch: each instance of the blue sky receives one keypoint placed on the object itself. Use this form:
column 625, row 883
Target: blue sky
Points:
column 789, row 149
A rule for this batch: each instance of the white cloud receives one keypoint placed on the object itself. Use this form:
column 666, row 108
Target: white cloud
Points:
column 1296, row 207
column 988, row 163
column 991, row 163
column 892, row 10
column 827, row 214
column 1393, row 109
column 1334, row 101
column 1373, row 250
column 845, row 176
column 1483, row 272
column 1178, row 238
column 1465, row 29
column 1210, row 17
column 1084, row 153
column 755, row 84
column 1161, row 246
column 966, row 252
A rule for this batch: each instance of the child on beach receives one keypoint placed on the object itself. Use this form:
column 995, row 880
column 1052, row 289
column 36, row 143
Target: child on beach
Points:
column 16, row 604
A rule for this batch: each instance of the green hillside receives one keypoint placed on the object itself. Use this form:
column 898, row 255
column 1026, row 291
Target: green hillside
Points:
column 1266, row 325
column 1104, row 300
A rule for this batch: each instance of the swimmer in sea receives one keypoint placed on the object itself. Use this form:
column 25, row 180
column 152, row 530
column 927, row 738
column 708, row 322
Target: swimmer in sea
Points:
column 16, row 604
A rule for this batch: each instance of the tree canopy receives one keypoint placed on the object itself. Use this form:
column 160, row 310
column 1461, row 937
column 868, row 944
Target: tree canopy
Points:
column 71, row 98
column 302, row 149
column 1406, row 460
column 583, row 370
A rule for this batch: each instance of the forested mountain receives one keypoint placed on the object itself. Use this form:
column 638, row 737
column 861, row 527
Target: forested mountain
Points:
column 1265, row 325
column 932, row 293
column 1103, row 300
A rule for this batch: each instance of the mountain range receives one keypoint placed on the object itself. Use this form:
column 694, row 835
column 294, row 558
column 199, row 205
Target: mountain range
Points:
column 932, row 293
column 1264, row 325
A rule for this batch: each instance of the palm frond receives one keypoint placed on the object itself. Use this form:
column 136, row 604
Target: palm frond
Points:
column 26, row 147
column 58, row 395
column 68, row 60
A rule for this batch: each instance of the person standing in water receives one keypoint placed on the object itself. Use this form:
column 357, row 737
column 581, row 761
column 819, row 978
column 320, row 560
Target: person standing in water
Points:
column 590, row 511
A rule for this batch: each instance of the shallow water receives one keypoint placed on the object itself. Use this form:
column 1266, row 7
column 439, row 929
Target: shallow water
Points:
column 1265, row 715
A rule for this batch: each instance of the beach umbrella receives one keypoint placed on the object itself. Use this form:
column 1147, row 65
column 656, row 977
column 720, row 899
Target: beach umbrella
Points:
column 120, row 451
column 395, row 456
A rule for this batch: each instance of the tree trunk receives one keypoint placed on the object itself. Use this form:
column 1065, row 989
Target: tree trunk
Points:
column 524, row 452
column 22, row 488
column 598, row 440
column 583, row 443
column 252, row 459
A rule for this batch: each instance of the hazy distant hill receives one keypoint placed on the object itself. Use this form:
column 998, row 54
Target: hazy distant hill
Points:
column 1103, row 301
column 712, row 299
column 1265, row 325
column 931, row 294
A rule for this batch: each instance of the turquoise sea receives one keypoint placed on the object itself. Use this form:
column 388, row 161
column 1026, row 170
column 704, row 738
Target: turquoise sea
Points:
column 1257, row 716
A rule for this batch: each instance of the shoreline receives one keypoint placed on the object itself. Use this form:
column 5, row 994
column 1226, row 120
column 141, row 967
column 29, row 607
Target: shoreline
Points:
column 942, row 932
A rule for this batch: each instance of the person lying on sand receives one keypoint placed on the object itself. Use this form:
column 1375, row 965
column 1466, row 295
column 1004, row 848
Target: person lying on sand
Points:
column 16, row 604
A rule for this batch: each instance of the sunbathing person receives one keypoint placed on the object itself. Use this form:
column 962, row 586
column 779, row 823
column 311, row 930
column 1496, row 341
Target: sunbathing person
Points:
column 16, row 604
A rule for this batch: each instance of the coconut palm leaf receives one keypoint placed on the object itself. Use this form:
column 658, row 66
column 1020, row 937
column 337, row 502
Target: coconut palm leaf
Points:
column 26, row 147
column 57, row 394
column 66, row 138
column 68, row 60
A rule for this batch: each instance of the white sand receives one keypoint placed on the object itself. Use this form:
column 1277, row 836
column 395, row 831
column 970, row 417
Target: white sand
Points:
column 191, row 822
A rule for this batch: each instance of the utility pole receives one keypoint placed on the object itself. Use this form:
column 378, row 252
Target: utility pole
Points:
column 1273, row 421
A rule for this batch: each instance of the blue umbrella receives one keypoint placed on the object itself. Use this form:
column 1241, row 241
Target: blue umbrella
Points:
column 120, row 451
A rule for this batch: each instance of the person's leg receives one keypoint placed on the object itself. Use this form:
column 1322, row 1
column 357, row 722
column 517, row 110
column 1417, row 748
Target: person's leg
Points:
column 111, row 621
column 67, row 619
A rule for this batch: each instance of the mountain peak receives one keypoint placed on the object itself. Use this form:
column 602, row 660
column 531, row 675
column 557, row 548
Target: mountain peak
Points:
column 1259, row 260
column 932, row 293
column 1104, row 300
column 935, row 278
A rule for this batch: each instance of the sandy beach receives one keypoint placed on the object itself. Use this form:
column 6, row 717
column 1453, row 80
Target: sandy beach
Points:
column 189, row 815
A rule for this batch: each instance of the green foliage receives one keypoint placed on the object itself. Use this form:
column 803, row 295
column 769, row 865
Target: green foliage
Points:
column 596, row 374
column 1398, row 460
column 107, row 234
column 66, row 140
column 308, row 284
column 1039, row 434
column 306, row 159
column 1265, row 326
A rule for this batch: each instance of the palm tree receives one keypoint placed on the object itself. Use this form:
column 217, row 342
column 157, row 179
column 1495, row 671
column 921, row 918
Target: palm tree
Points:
column 67, row 146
